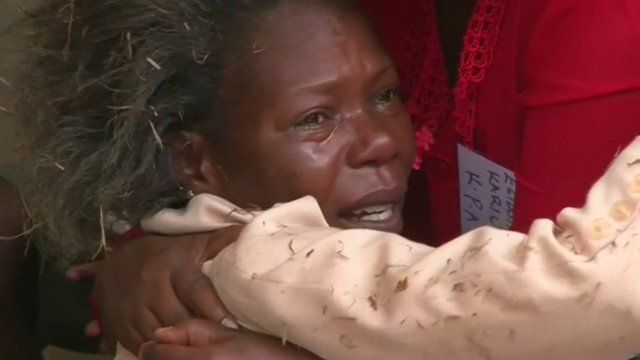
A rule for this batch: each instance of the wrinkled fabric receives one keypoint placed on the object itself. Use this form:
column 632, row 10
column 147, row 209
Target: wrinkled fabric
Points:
column 568, row 289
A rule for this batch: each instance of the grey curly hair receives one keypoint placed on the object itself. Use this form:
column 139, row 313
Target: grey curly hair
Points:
column 107, row 84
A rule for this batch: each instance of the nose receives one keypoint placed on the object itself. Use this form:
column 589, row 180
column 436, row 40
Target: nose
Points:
column 374, row 142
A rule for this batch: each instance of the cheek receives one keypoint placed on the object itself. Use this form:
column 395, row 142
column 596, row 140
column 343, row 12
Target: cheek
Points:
column 283, row 169
column 311, row 168
column 405, row 135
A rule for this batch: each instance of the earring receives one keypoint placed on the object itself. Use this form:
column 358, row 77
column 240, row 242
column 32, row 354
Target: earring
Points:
column 188, row 192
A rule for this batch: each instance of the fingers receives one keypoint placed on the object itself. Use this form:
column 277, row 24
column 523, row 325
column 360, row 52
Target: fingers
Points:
column 220, row 239
column 155, row 282
column 92, row 329
column 192, row 339
column 135, row 293
column 145, row 318
column 195, row 332
column 193, row 336
column 133, row 341
column 106, row 347
column 198, row 292
column 138, row 329
column 171, row 310
column 156, row 351
column 202, row 299
column 195, row 289
column 208, row 341
column 82, row 272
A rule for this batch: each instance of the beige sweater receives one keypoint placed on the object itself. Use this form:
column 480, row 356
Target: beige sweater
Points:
column 565, row 290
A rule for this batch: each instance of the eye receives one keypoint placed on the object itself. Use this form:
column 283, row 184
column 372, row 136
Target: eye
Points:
column 388, row 96
column 313, row 121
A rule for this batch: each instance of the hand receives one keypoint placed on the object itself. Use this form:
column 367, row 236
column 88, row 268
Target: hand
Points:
column 199, row 339
column 157, row 281
column 89, row 272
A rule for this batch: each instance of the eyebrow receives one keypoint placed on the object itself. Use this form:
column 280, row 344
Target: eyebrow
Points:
column 390, row 67
column 328, row 83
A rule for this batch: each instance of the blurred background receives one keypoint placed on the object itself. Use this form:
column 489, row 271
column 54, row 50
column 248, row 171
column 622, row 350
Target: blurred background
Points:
column 13, row 12
column 10, row 13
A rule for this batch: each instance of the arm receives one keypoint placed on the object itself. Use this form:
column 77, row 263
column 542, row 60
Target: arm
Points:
column 153, row 282
column 18, row 280
column 563, row 291
column 197, row 339
column 157, row 281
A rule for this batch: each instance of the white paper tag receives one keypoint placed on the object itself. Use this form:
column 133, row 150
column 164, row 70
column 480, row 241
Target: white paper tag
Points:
column 487, row 191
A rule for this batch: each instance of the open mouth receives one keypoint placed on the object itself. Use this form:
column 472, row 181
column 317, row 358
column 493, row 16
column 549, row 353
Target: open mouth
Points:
column 376, row 210
column 374, row 213
column 383, row 217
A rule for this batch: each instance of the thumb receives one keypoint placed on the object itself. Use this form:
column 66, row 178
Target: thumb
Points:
column 82, row 272
column 220, row 239
column 196, row 333
column 92, row 329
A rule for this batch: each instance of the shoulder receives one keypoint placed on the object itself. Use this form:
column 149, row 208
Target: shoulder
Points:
column 578, row 48
column 580, row 16
column 594, row 30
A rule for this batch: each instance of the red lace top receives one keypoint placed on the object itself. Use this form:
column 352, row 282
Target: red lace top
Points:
column 548, row 88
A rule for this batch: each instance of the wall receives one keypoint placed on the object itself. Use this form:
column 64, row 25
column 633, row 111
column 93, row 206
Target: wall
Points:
column 9, row 142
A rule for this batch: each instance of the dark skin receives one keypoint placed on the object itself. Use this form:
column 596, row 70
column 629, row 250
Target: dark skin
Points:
column 316, row 112
column 181, row 297
column 199, row 339
column 453, row 19
column 18, row 280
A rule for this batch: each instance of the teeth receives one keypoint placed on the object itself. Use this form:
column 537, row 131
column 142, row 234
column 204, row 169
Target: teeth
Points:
column 375, row 213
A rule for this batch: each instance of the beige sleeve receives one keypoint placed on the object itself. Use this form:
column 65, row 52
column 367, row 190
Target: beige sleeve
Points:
column 566, row 290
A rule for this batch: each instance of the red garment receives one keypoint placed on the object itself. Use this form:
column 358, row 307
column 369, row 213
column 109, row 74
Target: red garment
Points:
column 548, row 88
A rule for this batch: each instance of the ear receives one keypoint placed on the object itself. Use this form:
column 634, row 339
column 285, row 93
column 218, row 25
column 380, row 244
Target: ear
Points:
column 194, row 164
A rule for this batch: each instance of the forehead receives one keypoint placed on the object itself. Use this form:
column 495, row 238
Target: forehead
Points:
column 305, row 42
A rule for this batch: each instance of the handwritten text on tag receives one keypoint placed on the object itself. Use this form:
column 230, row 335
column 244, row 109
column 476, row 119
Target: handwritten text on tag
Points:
column 487, row 192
